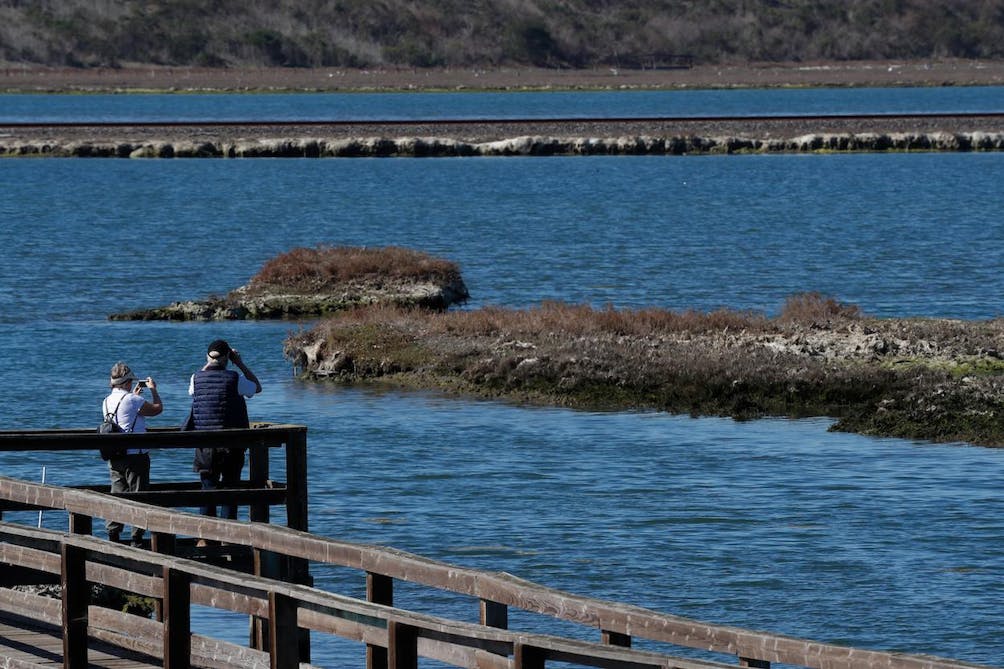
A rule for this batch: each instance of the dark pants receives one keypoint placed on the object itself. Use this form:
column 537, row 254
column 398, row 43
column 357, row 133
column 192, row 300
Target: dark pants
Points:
column 226, row 473
column 130, row 473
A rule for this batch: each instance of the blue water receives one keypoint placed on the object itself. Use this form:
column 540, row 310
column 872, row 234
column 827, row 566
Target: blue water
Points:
column 553, row 104
column 775, row 525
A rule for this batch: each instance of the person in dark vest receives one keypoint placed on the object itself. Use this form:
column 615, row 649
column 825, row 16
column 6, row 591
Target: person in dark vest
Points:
column 218, row 402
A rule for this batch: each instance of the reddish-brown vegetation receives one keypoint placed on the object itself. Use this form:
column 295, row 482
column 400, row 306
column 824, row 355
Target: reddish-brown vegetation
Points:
column 306, row 270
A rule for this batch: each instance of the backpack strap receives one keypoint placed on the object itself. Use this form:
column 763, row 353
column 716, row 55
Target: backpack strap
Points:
column 104, row 405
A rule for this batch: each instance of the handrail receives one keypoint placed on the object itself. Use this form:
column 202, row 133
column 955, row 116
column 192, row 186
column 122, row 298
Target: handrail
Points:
column 495, row 590
column 268, row 435
column 177, row 583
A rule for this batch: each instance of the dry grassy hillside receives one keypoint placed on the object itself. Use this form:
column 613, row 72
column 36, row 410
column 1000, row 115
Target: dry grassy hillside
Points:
column 448, row 33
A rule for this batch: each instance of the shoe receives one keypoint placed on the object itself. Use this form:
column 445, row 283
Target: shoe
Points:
column 136, row 543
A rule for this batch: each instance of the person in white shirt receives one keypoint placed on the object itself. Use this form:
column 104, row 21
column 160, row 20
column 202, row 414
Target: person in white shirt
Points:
column 129, row 472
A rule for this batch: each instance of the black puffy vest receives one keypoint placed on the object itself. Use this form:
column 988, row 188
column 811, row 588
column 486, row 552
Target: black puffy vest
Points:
column 216, row 403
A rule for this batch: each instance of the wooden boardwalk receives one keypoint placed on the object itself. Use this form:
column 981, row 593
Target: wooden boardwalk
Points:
column 273, row 588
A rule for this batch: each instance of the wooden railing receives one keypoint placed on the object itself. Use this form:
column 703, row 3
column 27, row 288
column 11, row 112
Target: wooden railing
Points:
column 258, row 492
column 176, row 584
column 393, row 637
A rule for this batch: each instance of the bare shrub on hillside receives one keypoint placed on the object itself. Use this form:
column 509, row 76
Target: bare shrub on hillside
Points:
column 573, row 33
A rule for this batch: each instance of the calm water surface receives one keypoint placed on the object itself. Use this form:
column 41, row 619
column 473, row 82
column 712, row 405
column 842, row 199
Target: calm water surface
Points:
column 776, row 525
column 369, row 106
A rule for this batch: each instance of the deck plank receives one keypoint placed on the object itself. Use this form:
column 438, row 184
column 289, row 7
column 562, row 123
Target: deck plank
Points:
column 27, row 641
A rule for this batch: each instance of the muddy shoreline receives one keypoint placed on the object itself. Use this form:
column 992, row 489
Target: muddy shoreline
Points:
column 23, row 78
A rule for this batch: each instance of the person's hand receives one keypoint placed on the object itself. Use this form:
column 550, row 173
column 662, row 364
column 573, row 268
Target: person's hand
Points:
column 148, row 382
column 235, row 357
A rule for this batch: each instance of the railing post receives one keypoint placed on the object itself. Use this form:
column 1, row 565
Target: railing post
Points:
column 527, row 657
column 296, row 515
column 258, row 468
column 76, row 598
column 402, row 645
column 615, row 638
column 379, row 590
column 164, row 544
column 283, row 637
column 296, row 481
column 265, row 564
column 177, row 616
column 81, row 524
column 494, row 614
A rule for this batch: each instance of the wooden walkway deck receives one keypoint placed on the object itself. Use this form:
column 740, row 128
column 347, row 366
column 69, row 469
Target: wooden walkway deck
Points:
column 27, row 643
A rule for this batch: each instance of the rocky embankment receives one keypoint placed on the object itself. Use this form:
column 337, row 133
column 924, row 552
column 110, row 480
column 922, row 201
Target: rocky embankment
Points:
column 240, row 304
column 524, row 145
column 499, row 138
column 939, row 380
column 542, row 137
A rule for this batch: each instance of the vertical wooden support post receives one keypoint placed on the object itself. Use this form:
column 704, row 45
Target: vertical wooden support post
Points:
column 402, row 646
column 177, row 615
column 265, row 564
column 527, row 657
column 76, row 598
column 165, row 544
column 296, row 515
column 379, row 590
column 81, row 524
column 494, row 614
column 259, row 472
column 296, row 481
column 283, row 637
column 753, row 663
column 615, row 639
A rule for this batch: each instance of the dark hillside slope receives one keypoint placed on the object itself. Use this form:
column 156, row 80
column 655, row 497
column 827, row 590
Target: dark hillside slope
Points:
column 482, row 33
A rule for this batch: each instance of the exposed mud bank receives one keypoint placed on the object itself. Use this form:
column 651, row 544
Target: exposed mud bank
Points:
column 370, row 147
